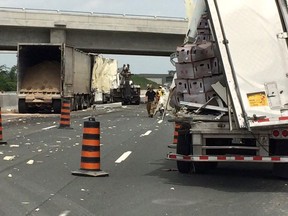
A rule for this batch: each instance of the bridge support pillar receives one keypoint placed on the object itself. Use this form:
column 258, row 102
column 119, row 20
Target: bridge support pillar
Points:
column 57, row 36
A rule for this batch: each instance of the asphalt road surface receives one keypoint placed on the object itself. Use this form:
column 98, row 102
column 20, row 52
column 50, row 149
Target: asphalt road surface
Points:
column 37, row 162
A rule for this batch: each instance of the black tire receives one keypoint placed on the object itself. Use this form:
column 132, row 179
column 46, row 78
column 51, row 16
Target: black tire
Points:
column 136, row 101
column 56, row 106
column 75, row 105
column 184, row 147
column 116, row 99
column 281, row 149
column 203, row 167
column 80, row 103
column 22, row 108
column 87, row 103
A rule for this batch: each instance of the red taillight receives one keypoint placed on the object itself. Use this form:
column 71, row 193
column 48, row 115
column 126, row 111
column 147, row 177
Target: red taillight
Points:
column 276, row 133
column 172, row 156
column 284, row 133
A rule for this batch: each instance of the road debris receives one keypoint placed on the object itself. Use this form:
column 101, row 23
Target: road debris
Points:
column 9, row 158
column 64, row 213
column 30, row 162
column 14, row 146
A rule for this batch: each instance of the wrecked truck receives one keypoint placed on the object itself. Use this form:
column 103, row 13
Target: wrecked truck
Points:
column 231, row 91
column 104, row 77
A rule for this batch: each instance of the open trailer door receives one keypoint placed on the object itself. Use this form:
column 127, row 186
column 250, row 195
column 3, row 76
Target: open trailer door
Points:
column 250, row 35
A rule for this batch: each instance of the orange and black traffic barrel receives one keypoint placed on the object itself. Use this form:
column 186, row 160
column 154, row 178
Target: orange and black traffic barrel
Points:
column 1, row 129
column 65, row 114
column 90, row 154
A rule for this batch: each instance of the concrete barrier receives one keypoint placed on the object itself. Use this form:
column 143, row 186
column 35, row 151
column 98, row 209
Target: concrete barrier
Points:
column 108, row 105
column 8, row 101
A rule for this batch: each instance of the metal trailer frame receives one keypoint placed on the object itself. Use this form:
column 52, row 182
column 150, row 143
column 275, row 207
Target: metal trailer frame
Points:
column 203, row 130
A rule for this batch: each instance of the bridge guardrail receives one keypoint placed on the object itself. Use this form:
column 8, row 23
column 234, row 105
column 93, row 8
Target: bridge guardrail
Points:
column 85, row 13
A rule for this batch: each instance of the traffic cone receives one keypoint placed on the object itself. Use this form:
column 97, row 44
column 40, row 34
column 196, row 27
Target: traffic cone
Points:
column 1, row 135
column 65, row 114
column 90, row 155
column 176, row 134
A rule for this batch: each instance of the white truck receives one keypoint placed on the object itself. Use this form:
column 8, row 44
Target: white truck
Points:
column 231, row 94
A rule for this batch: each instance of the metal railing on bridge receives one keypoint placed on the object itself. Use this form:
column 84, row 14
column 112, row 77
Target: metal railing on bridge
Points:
column 85, row 13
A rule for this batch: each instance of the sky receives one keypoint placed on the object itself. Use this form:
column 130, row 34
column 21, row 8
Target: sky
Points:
column 138, row 64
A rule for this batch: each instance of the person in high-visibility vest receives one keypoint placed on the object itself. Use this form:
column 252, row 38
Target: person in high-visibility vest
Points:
column 160, row 92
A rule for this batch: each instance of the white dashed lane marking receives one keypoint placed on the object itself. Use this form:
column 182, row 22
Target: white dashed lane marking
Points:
column 123, row 157
column 47, row 128
column 146, row 134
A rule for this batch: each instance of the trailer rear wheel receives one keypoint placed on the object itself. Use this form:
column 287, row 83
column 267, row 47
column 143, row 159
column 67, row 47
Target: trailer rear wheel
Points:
column 87, row 103
column 281, row 148
column 137, row 101
column 202, row 167
column 56, row 106
column 81, row 103
column 22, row 108
column 183, row 147
column 75, row 104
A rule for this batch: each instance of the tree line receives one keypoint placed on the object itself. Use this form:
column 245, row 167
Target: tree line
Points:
column 8, row 78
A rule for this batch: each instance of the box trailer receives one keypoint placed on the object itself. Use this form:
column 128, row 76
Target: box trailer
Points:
column 49, row 72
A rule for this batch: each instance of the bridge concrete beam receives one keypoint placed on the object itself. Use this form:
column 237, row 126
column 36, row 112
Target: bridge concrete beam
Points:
column 94, row 41
column 57, row 36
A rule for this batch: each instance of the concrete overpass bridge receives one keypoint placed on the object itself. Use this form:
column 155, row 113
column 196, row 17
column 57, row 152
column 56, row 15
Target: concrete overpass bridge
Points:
column 92, row 32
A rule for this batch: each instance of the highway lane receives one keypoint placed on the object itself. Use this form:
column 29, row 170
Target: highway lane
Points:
column 141, row 182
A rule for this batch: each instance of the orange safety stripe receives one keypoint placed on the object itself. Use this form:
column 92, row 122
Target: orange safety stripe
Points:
column 90, row 154
column 65, row 122
column 91, row 166
column 91, row 130
column 65, row 110
column 65, row 116
column 91, row 142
